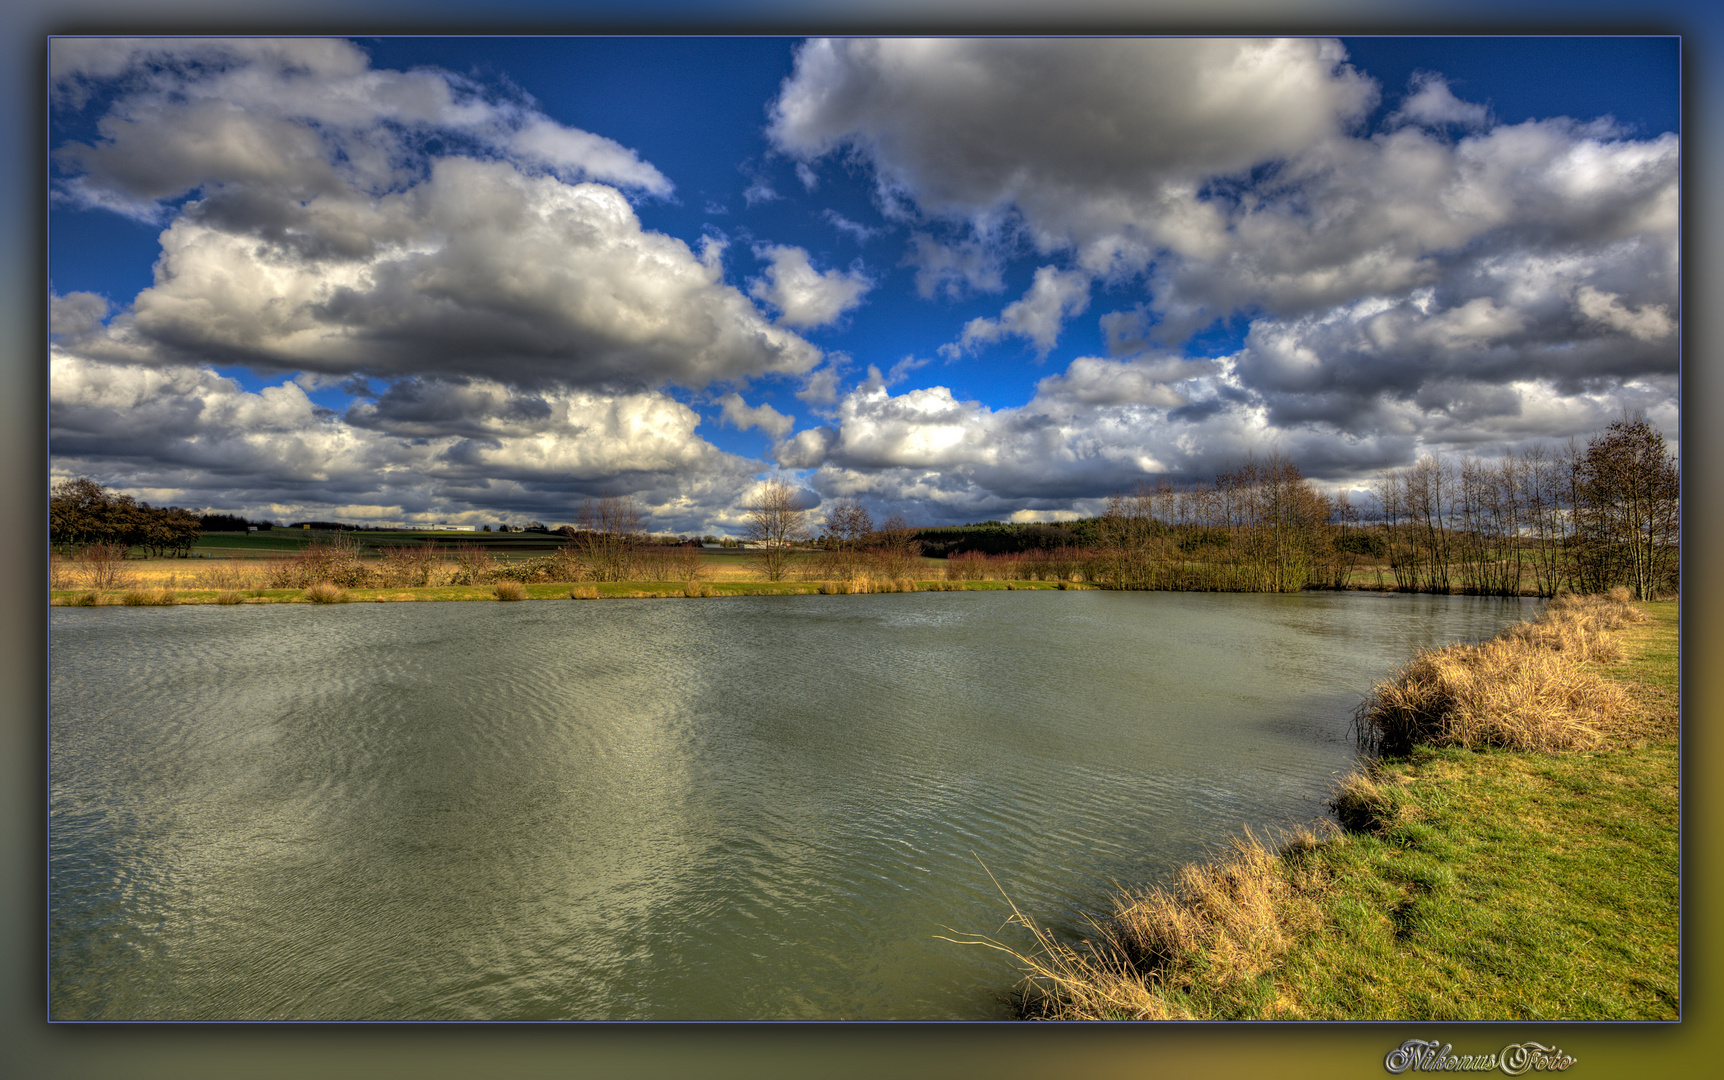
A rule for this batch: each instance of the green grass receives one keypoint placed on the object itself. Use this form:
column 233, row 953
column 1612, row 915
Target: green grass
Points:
column 1514, row 886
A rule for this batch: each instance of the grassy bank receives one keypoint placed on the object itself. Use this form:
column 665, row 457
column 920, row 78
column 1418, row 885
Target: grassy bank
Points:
column 608, row 590
column 1471, row 878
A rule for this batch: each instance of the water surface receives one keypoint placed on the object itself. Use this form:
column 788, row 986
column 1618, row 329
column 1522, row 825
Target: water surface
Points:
column 743, row 808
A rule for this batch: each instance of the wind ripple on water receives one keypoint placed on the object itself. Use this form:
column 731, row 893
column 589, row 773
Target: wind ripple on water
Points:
column 752, row 808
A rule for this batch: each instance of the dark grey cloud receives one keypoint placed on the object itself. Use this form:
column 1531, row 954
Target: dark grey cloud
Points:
column 423, row 448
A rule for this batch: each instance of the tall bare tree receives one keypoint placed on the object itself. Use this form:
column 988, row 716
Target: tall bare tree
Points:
column 1627, row 509
column 776, row 521
column 847, row 523
column 608, row 536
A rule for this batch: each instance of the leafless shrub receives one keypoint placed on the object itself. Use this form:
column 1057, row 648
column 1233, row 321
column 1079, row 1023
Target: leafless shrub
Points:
column 893, row 550
column 566, row 564
column 412, row 566
column 662, row 562
column 652, row 562
column 474, row 565
column 60, row 574
column 966, row 566
column 337, row 561
column 103, row 567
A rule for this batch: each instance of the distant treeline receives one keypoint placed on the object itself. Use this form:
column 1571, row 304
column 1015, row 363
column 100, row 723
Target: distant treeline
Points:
column 1584, row 519
column 1009, row 538
column 231, row 523
column 83, row 514
column 1261, row 527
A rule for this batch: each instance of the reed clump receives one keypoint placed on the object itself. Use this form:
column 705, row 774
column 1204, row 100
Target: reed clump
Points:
column 149, row 598
column 1527, row 689
column 1220, row 922
column 229, row 596
column 325, row 593
column 584, row 592
column 1368, row 801
column 510, row 590
column 1218, row 925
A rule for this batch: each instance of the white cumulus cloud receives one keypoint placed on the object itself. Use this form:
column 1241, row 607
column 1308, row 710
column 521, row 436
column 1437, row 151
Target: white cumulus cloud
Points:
column 806, row 297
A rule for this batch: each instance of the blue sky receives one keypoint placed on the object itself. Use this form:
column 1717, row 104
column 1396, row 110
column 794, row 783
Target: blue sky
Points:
column 414, row 279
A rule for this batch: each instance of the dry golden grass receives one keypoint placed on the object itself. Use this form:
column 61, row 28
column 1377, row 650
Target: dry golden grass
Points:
column 1369, row 801
column 730, row 567
column 325, row 593
column 224, row 574
column 1530, row 688
column 1503, row 693
column 1219, row 924
column 584, row 592
column 1223, row 921
column 149, row 598
column 510, row 590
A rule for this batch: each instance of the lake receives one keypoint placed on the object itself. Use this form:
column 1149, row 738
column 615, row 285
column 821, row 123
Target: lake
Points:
column 719, row 809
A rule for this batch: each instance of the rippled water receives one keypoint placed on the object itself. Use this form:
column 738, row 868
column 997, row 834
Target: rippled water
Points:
column 751, row 808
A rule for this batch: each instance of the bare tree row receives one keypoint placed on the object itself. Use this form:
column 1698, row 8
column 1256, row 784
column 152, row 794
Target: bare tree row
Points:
column 1261, row 527
column 1584, row 518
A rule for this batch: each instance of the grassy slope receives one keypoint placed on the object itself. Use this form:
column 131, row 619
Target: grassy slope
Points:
column 1495, row 885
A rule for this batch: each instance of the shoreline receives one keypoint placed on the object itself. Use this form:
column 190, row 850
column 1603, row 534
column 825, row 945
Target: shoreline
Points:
column 1490, row 873
column 170, row 596
column 620, row 590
